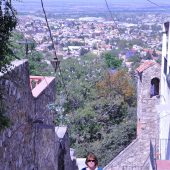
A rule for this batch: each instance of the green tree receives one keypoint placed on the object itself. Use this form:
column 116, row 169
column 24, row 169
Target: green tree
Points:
column 112, row 61
column 96, row 112
column 37, row 63
column 8, row 22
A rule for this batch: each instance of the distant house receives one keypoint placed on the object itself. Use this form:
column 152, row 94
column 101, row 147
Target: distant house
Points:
column 130, row 53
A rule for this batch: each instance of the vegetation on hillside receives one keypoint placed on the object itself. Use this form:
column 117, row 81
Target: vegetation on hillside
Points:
column 100, row 105
column 10, row 49
column 100, row 108
column 8, row 22
column 37, row 63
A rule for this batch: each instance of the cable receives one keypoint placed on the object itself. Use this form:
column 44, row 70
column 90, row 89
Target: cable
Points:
column 56, row 58
column 150, row 122
column 51, row 37
column 154, row 3
column 110, row 12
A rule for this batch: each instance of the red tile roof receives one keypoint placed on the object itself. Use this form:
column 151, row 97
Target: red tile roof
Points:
column 145, row 65
column 42, row 83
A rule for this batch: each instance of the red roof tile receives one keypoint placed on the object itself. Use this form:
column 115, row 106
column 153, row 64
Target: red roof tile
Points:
column 145, row 65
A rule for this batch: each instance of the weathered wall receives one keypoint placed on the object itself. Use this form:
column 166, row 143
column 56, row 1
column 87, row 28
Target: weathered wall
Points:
column 31, row 141
column 147, row 111
column 42, row 101
column 16, row 150
column 136, row 155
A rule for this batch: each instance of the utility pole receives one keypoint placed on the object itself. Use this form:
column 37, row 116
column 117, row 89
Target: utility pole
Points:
column 26, row 43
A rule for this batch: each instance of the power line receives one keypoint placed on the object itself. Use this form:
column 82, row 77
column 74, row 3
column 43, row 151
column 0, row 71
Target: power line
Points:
column 154, row 3
column 107, row 5
column 153, row 121
column 56, row 58
column 51, row 37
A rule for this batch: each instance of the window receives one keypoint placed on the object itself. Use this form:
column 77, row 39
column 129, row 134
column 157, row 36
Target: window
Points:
column 154, row 90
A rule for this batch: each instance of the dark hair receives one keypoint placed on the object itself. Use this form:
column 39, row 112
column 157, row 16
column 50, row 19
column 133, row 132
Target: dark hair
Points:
column 91, row 155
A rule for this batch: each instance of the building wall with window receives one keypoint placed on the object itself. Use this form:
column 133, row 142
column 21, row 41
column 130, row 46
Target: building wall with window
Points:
column 148, row 96
column 138, row 154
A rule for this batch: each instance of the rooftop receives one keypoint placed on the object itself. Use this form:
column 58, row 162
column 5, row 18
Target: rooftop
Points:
column 145, row 65
column 39, row 83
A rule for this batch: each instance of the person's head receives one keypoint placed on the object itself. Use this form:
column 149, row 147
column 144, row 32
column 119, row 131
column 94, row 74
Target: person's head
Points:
column 91, row 161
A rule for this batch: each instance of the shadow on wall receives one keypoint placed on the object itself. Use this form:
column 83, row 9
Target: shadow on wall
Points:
column 154, row 89
column 168, row 147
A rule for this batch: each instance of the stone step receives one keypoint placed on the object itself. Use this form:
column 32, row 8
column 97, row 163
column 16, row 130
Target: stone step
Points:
column 132, row 156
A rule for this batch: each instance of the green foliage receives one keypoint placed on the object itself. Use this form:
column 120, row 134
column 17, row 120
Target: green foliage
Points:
column 85, row 126
column 97, row 112
column 112, row 61
column 8, row 22
column 37, row 65
column 4, row 121
column 135, row 59
column 80, row 77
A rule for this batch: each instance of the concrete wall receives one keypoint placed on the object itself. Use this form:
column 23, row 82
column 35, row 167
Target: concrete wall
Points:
column 31, row 141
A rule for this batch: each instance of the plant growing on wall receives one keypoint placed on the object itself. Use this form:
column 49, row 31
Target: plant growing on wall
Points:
column 8, row 22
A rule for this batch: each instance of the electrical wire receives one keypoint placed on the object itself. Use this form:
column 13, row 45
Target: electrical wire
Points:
column 51, row 37
column 107, row 5
column 157, row 119
column 154, row 3
column 55, row 53
column 108, row 8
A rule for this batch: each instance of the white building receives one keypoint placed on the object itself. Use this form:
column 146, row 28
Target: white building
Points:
column 165, row 96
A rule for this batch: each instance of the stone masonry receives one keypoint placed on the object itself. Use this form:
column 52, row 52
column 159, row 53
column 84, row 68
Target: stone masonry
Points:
column 137, row 155
column 32, row 141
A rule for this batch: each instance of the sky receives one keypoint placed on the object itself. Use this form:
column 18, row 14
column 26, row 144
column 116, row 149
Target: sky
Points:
column 109, row 1
column 51, row 4
column 122, row 2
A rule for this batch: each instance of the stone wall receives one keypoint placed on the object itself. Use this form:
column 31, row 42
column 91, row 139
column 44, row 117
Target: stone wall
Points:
column 148, row 115
column 137, row 155
column 31, row 142
column 16, row 150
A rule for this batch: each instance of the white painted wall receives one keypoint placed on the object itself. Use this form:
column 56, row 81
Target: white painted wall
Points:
column 165, row 99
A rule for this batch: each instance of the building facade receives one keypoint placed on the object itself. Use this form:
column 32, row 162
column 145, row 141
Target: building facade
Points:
column 164, row 107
